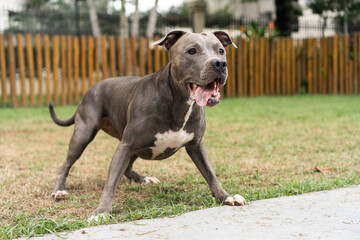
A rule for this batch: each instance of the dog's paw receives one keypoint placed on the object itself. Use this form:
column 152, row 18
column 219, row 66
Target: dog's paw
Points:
column 60, row 194
column 236, row 200
column 150, row 180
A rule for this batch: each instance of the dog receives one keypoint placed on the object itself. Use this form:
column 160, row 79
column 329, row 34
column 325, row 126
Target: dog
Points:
column 155, row 115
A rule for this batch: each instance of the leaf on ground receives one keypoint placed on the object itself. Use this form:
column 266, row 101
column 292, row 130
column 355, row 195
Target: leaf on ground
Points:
column 323, row 170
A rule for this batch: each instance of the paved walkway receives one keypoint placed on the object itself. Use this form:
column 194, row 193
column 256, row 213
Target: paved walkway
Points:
column 321, row 215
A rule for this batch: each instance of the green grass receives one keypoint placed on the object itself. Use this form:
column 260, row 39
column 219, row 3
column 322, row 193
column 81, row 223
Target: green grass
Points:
column 261, row 148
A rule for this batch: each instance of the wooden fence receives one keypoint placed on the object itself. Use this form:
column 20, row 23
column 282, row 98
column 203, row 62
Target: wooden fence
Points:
column 37, row 69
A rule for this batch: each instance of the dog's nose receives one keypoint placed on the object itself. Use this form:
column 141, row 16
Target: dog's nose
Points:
column 219, row 64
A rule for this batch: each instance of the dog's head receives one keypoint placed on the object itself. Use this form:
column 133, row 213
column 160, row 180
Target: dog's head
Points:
column 198, row 63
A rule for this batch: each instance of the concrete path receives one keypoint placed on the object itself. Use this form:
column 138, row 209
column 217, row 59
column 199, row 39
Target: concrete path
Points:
column 321, row 215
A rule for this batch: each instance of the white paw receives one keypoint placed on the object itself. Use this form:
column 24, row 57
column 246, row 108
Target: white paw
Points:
column 151, row 180
column 101, row 217
column 60, row 194
column 236, row 200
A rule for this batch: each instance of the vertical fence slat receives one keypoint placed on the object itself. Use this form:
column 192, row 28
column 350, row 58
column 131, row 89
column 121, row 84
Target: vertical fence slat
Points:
column 56, row 61
column 64, row 72
column 262, row 65
column 120, row 56
column 356, row 61
column 298, row 65
column 278, row 66
column 239, row 68
column 357, row 67
column 309, row 59
column 293, row 66
column 76, row 67
column 83, row 65
column 245, row 68
column 283, row 66
column 47, row 67
column 90, row 62
column 315, row 66
column 69, row 69
column 104, row 57
column 127, row 57
column 21, row 64
column 97, row 57
column 288, row 66
column 134, row 56
column 142, row 56
column 329, row 65
column 256, row 67
column 347, row 64
column 358, row 64
column 267, row 66
column 149, row 56
column 156, row 57
column 112, row 56
column 3, row 69
column 272, row 67
column 251, row 67
column 321, row 65
column 163, row 56
column 39, row 66
column 341, row 65
column 326, row 72
column 12, row 69
column 335, row 65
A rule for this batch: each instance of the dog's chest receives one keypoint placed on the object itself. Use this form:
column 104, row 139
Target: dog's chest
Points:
column 171, row 139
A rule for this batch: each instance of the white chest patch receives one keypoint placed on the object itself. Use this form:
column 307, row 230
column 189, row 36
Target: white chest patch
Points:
column 173, row 139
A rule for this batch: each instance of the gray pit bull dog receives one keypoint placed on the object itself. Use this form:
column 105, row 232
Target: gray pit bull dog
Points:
column 154, row 116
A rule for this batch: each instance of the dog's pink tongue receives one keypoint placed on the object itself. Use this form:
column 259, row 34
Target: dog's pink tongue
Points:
column 202, row 95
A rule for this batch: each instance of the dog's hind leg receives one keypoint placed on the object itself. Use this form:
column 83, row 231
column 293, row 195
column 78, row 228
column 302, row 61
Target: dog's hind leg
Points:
column 86, row 128
column 131, row 174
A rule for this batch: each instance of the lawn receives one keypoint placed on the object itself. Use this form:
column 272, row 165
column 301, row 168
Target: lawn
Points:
column 260, row 148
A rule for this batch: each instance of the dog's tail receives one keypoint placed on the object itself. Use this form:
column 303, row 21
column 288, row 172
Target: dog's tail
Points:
column 63, row 123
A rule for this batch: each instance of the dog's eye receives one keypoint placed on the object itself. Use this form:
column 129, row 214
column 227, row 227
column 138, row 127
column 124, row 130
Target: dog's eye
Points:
column 192, row 51
column 221, row 51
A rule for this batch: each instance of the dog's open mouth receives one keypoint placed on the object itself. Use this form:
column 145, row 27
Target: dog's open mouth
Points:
column 205, row 95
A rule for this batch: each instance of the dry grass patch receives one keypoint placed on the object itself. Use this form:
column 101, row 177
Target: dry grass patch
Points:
column 260, row 148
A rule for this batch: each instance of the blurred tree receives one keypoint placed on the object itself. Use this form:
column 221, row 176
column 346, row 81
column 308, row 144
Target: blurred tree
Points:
column 287, row 13
column 150, row 29
column 135, row 20
column 124, row 22
column 346, row 11
column 93, row 18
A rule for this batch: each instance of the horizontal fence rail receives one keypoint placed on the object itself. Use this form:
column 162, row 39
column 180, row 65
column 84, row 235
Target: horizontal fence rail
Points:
column 37, row 69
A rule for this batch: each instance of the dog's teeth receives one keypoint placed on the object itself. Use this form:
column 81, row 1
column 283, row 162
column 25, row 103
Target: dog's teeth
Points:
column 194, row 86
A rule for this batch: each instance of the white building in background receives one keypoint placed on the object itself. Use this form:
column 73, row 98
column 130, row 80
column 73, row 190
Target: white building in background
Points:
column 5, row 7
column 309, row 23
column 240, row 8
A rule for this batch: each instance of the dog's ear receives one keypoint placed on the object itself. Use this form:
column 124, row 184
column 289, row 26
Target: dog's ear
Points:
column 170, row 39
column 224, row 38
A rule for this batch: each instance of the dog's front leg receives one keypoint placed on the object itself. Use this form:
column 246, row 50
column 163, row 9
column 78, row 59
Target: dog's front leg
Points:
column 200, row 158
column 118, row 166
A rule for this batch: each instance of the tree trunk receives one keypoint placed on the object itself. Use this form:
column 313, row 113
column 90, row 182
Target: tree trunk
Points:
column 95, row 27
column 135, row 23
column 124, row 25
column 152, row 21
